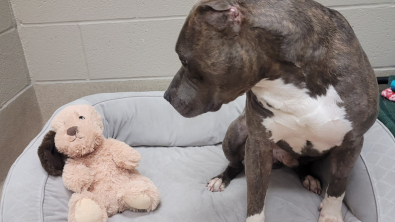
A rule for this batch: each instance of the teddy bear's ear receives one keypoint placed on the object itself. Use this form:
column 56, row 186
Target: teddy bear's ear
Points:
column 51, row 159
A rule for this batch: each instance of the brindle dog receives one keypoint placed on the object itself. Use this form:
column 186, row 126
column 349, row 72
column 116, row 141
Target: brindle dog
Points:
column 311, row 90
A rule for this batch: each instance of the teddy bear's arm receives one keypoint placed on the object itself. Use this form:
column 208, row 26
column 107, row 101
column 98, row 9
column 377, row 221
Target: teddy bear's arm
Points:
column 123, row 155
column 76, row 176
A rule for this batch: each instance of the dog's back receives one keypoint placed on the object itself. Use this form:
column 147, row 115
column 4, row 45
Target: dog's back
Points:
column 321, row 42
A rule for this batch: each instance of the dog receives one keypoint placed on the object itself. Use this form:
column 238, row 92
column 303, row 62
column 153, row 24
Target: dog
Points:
column 311, row 91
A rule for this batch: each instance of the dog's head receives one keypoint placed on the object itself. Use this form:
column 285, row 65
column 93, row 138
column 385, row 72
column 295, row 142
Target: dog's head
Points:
column 217, row 61
column 76, row 131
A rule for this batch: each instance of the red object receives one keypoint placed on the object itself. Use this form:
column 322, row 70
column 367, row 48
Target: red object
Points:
column 388, row 94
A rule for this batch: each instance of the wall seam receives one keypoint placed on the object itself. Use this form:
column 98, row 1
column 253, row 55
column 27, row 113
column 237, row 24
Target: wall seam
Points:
column 6, row 103
column 384, row 68
column 107, row 21
column 365, row 6
column 84, row 51
column 46, row 82
column 31, row 79
column 16, row 26
column 8, row 30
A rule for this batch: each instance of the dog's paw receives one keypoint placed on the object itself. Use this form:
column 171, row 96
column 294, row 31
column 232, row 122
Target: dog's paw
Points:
column 257, row 217
column 331, row 209
column 216, row 185
column 312, row 184
column 330, row 218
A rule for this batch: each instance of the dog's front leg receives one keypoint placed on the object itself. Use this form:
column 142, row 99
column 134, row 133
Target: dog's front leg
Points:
column 343, row 159
column 258, row 165
column 258, row 159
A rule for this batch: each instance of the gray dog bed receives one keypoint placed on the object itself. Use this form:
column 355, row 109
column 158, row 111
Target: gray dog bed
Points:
column 180, row 155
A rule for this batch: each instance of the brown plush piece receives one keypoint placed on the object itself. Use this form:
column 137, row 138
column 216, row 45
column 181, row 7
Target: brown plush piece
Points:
column 51, row 160
column 102, row 172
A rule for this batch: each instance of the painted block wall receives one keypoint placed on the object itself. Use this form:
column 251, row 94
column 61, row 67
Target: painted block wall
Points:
column 13, row 70
column 120, row 40
column 20, row 117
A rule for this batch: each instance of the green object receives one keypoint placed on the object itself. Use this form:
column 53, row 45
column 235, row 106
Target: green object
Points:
column 387, row 110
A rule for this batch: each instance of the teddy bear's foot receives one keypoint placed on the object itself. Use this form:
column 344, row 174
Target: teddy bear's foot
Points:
column 87, row 210
column 141, row 202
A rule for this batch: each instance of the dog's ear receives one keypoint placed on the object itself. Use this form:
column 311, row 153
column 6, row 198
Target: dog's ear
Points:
column 217, row 5
column 221, row 14
column 51, row 159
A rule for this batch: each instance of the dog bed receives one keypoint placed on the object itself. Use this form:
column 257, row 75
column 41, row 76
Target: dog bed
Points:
column 180, row 155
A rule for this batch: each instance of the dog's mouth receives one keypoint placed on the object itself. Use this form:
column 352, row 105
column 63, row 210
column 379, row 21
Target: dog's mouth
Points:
column 213, row 107
column 185, row 111
column 189, row 112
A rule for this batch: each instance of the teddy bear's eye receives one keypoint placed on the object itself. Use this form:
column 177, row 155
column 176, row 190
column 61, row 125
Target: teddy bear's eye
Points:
column 81, row 117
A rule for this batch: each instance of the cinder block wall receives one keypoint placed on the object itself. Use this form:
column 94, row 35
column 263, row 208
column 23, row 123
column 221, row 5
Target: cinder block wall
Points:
column 20, row 117
column 75, row 48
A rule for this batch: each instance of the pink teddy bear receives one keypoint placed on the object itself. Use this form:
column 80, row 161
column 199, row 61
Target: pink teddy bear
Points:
column 102, row 172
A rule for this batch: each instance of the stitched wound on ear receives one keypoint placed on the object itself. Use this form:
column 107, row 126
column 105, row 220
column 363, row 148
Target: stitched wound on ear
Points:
column 235, row 14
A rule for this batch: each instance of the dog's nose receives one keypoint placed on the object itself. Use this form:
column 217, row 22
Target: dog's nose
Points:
column 72, row 131
column 167, row 96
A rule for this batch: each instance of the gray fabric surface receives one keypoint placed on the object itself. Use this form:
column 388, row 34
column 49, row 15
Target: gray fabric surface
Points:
column 182, row 172
column 379, row 157
column 152, row 121
column 359, row 194
column 181, row 175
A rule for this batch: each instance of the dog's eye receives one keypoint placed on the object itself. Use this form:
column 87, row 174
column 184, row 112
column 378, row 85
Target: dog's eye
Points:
column 184, row 62
column 81, row 117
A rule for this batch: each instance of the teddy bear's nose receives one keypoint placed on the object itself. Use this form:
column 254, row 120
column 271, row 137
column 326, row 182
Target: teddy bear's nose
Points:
column 72, row 131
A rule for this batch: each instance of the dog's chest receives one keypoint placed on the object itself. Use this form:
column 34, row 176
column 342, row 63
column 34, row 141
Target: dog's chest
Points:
column 299, row 118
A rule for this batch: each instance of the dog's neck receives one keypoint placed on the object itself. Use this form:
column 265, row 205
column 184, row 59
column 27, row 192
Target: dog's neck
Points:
column 265, row 45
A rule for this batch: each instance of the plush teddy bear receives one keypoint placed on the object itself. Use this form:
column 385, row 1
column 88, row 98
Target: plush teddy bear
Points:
column 102, row 172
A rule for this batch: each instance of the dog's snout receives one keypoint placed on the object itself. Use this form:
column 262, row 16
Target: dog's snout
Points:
column 72, row 131
column 167, row 96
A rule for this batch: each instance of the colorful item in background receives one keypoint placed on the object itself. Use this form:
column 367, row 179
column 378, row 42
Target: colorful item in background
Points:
column 389, row 93
column 387, row 108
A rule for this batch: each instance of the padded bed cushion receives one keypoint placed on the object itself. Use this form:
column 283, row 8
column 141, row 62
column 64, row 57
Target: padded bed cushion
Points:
column 180, row 155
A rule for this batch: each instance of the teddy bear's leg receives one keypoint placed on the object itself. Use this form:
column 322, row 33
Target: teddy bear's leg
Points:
column 140, row 202
column 141, row 194
column 84, row 208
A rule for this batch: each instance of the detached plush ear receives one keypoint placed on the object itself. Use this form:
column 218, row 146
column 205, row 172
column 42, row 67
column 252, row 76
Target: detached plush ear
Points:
column 51, row 159
column 223, row 14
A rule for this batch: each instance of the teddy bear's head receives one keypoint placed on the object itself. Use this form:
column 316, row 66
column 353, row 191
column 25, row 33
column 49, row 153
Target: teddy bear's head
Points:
column 76, row 131
column 79, row 130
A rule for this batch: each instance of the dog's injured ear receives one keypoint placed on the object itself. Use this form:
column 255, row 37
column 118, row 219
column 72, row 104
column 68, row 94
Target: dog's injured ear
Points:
column 216, row 4
column 51, row 159
column 222, row 14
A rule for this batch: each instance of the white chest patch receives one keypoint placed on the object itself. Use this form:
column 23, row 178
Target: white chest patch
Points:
column 299, row 118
